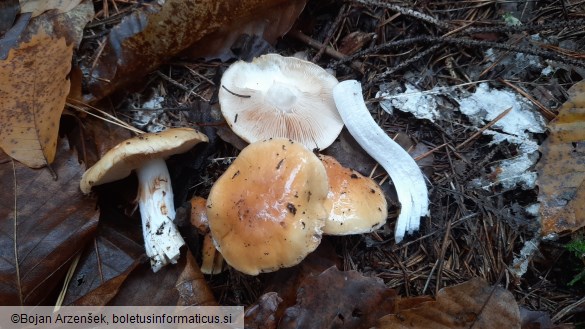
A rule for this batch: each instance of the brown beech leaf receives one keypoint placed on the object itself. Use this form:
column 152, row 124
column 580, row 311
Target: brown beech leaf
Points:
column 339, row 299
column 473, row 304
column 104, row 265
column 561, row 170
column 34, row 85
column 52, row 223
column 154, row 33
column 179, row 284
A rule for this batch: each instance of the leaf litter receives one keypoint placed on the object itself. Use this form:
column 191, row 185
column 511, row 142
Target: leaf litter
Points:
column 52, row 222
column 473, row 231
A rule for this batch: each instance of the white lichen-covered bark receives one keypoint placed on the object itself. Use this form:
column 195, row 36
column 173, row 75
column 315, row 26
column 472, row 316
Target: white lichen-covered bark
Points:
column 162, row 239
column 405, row 174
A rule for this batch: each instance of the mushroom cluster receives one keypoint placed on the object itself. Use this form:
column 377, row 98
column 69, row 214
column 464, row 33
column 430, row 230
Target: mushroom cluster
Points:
column 276, row 200
column 272, row 205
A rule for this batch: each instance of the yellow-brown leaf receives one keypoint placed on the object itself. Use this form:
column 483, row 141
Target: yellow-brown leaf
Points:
column 33, row 88
column 561, row 171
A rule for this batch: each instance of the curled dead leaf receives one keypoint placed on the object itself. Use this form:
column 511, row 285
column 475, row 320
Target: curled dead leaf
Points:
column 473, row 304
column 155, row 33
column 339, row 299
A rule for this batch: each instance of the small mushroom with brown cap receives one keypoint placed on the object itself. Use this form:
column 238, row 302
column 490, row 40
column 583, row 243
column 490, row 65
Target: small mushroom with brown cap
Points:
column 267, row 210
column 211, row 259
column 145, row 154
column 356, row 203
column 276, row 96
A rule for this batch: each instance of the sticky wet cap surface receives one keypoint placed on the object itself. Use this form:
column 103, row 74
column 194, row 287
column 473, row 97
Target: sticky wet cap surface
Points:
column 356, row 203
column 266, row 211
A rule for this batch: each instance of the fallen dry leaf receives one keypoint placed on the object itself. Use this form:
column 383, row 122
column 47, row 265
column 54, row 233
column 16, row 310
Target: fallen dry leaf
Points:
column 154, row 33
column 94, row 137
column 262, row 315
column 180, row 284
column 473, row 304
column 37, row 7
column 34, row 85
column 339, row 299
column 104, row 265
column 52, row 223
column 561, row 170
column 9, row 9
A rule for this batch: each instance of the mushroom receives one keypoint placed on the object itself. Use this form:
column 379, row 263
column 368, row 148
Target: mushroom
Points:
column 267, row 210
column 276, row 96
column 356, row 203
column 403, row 170
column 145, row 154
column 211, row 259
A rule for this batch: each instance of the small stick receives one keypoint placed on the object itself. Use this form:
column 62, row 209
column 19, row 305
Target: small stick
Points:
column 407, row 12
column 328, row 50
column 543, row 110
column 233, row 93
column 330, row 33
column 491, row 123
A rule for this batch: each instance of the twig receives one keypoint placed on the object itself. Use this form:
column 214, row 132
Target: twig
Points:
column 402, row 65
column 406, row 12
column 328, row 50
column 112, row 119
column 463, row 42
column 172, row 81
column 484, row 128
column 543, row 110
column 15, row 238
column 567, row 310
column 330, row 33
column 441, row 257
column 525, row 27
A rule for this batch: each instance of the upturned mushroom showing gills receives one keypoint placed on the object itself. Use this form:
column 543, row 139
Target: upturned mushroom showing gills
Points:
column 267, row 210
column 145, row 154
column 276, row 96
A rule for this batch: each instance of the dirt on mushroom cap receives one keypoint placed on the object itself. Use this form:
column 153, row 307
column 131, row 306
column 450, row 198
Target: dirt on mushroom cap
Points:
column 266, row 211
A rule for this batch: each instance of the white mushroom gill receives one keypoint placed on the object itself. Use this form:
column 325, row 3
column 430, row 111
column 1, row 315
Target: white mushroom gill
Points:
column 162, row 239
column 405, row 174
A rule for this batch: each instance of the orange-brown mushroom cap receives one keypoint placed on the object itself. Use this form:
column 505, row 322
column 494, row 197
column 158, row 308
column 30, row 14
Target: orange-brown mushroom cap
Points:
column 266, row 211
column 356, row 203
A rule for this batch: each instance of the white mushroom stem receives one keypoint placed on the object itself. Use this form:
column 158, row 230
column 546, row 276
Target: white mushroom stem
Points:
column 405, row 174
column 162, row 239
